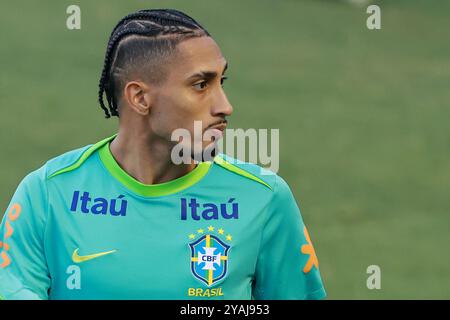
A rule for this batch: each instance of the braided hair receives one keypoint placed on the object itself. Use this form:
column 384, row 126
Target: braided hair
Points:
column 142, row 40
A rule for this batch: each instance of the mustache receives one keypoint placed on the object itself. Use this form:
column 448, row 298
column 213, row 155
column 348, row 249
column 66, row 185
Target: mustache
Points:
column 222, row 121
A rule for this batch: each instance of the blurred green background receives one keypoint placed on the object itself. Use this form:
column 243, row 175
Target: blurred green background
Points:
column 363, row 117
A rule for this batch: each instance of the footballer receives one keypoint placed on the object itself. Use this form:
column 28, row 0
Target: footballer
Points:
column 118, row 219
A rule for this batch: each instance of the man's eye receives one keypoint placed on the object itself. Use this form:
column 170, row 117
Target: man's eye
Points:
column 200, row 85
column 222, row 80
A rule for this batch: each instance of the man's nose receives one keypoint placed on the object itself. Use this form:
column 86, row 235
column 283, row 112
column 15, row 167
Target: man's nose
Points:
column 222, row 106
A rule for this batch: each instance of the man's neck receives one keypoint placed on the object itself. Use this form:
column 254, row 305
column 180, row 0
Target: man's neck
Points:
column 145, row 159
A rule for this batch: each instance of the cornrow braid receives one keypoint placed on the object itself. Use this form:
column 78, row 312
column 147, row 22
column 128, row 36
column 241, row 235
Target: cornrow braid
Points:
column 162, row 28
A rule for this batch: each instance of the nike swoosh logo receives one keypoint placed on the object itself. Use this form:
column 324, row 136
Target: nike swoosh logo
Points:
column 78, row 259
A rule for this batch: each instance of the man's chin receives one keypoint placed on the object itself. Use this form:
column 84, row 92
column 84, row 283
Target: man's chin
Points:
column 207, row 154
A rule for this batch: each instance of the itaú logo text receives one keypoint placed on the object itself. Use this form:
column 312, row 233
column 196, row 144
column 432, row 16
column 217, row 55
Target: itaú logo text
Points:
column 84, row 203
column 208, row 211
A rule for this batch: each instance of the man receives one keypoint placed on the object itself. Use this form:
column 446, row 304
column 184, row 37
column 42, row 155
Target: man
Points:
column 120, row 220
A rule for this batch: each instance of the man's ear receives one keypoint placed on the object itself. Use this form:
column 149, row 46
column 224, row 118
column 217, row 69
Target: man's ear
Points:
column 138, row 96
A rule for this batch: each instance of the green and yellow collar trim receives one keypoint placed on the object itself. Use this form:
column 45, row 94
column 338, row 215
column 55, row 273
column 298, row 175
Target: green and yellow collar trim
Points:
column 151, row 190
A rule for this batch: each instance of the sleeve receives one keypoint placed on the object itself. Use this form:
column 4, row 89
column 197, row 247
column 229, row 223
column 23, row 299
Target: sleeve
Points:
column 287, row 267
column 23, row 267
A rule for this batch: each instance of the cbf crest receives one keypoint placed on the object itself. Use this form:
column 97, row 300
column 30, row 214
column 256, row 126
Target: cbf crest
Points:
column 209, row 255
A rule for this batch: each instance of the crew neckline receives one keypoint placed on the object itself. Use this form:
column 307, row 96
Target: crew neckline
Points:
column 151, row 190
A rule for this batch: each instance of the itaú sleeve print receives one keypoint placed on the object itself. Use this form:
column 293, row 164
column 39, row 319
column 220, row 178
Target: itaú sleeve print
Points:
column 80, row 227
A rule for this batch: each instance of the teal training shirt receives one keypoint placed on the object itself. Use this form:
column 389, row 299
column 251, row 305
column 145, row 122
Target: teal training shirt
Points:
column 80, row 227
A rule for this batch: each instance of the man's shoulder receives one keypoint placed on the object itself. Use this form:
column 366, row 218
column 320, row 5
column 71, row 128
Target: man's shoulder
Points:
column 250, row 171
column 38, row 176
column 65, row 160
column 72, row 159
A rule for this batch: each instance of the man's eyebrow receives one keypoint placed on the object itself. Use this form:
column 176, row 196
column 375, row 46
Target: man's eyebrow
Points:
column 207, row 74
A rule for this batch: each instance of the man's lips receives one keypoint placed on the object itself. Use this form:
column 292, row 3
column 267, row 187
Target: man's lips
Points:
column 218, row 126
